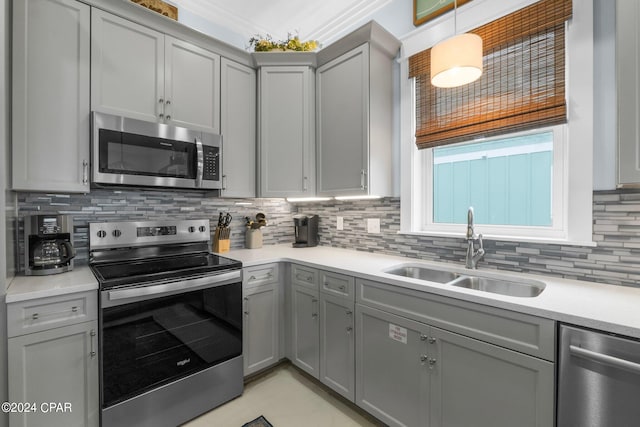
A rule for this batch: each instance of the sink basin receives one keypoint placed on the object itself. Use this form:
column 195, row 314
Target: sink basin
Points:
column 498, row 286
column 423, row 273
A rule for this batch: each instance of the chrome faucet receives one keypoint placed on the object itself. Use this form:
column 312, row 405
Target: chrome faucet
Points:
column 473, row 256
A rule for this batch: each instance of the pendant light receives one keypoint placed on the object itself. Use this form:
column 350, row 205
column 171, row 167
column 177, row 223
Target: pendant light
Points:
column 457, row 60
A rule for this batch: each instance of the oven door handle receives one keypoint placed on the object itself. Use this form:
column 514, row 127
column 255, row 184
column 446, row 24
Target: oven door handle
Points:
column 180, row 285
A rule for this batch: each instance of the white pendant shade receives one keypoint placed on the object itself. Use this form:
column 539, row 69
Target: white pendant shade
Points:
column 456, row 61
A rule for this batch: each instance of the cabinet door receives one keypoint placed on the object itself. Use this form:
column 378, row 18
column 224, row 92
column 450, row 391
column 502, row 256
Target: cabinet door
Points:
column 127, row 68
column 305, row 330
column 628, row 83
column 392, row 378
column 343, row 124
column 238, row 129
column 260, row 329
column 58, row 365
column 337, row 345
column 478, row 384
column 51, row 95
column 192, row 86
column 286, row 141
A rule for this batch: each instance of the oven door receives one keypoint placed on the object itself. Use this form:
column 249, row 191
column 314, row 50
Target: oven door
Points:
column 158, row 334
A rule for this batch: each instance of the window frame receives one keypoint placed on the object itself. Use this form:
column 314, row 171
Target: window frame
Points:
column 554, row 231
column 579, row 163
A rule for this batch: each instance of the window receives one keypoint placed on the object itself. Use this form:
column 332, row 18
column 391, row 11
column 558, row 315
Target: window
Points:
column 513, row 182
column 526, row 183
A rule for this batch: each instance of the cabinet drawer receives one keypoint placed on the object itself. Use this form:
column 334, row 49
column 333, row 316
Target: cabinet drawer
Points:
column 260, row 275
column 520, row 332
column 40, row 314
column 337, row 284
column 304, row 276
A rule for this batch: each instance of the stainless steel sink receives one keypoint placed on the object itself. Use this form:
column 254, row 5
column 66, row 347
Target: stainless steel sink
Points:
column 423, row 273
column 527, row 289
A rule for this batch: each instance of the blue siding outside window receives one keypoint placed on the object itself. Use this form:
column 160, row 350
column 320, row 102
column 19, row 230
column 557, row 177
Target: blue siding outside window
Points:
column 507, row 181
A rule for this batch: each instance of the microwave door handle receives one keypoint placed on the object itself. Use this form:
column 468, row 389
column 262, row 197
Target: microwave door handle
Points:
column 199, row 163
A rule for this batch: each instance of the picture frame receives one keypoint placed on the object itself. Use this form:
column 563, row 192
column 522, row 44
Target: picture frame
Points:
column 426, row 10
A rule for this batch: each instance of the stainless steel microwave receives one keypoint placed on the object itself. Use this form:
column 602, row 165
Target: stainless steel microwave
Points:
column 137, row 153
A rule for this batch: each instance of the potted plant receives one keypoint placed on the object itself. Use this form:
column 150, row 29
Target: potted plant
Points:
column 291, row 44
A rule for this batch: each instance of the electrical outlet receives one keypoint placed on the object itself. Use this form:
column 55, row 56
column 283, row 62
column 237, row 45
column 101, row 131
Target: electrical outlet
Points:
column 339, row 223
column 373, row 225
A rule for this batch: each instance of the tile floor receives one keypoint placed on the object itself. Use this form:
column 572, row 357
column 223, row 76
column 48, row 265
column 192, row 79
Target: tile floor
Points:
column 286, row 398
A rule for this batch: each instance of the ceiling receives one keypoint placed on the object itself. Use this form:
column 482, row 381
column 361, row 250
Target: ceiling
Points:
column 320, row 21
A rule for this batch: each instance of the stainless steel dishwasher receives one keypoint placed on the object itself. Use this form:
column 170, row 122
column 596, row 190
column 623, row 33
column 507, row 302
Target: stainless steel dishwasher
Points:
column 598, row 380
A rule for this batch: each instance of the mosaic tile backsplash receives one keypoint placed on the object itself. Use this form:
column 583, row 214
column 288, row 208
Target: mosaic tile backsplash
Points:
column 126, row 205
column 616, row 231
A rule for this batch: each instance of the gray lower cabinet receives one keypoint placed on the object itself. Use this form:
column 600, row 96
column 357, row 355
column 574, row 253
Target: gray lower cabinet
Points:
column 261, row 331
column 53, row 359
column 337, row 344
column 305, row 329
column 392, row 383
column 412, row 374
column 261, row 291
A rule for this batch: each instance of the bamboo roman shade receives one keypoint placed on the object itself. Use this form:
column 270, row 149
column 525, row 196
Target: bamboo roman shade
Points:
column 522, row 85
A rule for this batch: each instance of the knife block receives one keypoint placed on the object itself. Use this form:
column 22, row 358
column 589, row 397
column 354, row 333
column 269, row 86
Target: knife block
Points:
column 221, row 240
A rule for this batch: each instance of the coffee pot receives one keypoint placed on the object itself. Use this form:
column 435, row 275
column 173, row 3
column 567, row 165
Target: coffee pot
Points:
column 48, row 244
column 50, row 253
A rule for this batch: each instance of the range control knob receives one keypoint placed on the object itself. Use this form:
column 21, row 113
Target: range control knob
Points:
column 102, row 234
column 117, row 233
column 202, row 228
column 192, row 229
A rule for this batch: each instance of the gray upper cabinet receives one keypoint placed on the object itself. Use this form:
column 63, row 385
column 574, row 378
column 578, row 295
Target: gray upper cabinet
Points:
column 141, row 73
column 628, row 84
column 50, row 111
column 286, row 131
column 354, row 114
column 238, row 129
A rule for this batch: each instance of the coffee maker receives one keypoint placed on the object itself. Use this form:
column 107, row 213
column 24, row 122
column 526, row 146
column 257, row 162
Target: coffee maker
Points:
column 306, row 230
column 48, row 244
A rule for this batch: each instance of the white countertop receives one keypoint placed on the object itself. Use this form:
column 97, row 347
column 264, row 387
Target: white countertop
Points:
column 24, row 288
column 607, row 307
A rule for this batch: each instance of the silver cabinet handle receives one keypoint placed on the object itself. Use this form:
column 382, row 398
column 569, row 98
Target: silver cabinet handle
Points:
column 161, row 116
column 263, row 277
column 349, row 312
column 616, row 362
column 349, row 329
column 423, row 358
column 432, row 340
column 305, row 278
column 224, row 182
column 35, row 316
column 363, row 176
column 423, row 337
column 161, row 101
column 343, row 288
column 92, row 353
column 304, row 183
column 167, row 102
column 168, row 117
column 85, row 172
column 432, row 363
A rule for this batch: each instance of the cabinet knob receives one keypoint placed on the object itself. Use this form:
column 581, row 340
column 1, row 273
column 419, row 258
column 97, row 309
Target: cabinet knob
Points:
column 161, row 101
column 343, row 288
column 35, row 316
column 167, row 102
column 432, row 340
column 432, row 363
column 349, row 312
column 423, row 358
column 314, row 315
column 168, row 117
column 349, row 329
column 423, row 337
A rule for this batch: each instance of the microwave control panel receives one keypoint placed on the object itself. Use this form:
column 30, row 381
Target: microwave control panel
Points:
column 211, row 170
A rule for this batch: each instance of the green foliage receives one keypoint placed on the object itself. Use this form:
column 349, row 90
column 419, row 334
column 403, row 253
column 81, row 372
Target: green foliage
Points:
column 292, row 43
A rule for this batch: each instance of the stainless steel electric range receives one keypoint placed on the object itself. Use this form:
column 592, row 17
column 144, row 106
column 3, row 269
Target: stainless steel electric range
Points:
column 170, row 322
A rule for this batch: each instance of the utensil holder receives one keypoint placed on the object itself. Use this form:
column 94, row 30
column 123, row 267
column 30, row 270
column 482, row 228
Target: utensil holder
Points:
column 221, row 240
column 253, row 238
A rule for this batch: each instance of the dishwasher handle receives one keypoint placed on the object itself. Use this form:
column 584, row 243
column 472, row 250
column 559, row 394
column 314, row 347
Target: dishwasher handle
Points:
column 605, row 358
